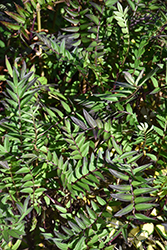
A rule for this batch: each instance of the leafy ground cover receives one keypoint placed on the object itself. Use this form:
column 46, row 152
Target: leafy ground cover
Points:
column 83, row 122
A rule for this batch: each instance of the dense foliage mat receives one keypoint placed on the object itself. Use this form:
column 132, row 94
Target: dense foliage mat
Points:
column 83, row 125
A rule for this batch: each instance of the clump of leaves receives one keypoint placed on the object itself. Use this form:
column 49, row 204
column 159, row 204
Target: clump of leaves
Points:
column 83, row 152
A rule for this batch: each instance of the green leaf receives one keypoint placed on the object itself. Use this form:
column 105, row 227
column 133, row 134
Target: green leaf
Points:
column 119, row 6
column 127, row 154
column 7, row 144
column 73, row 21
column 92, row 164
column 77, row 43
column 16, row 245
column 145, row 206
column 23, row 72
column 74, row 4
column 144, row 218
column 79, row 123
column 85, row 149
column 124, row 211
column 91, row 213
column 122, row 197
column 74, row 227
column 144, row 199
column 71, row 29
column 67, row 231
column 140, row 191
column 16, row 17
column 95, row 207
column 83, row 185
column 10, row 25
column 71, row 13
column 81, row 244
column 155, row 91
column 96, row 6
column 25, row 213
column 119, row 175
column 61, row 209
column 129, row 108
column 121, row 187
column 101, row 201
column 67, row 53
column 27, row 98
column 89, row 119
column 12, row 95
column 62, row 47
column 27, row 190
column 27, row 177
column 3, row 78
column 153, row 157
column 93, row 18
column 2, row 150
column 93, row 178
column 80, row 139
column 5, row 234
column 129, row 78
column 162, row 231
column 141, row 168
column 117, row 148
column 155, row 82
column 23, row 170
column 149, row 75
column 66, row 106
column 27, row 184
column 93, row 240
column 110, row 3
column 159, row 131
column 21, row 11
column 9, row 68
column 80, row 223
column 62, row 246
column 135, row 158
column 85, row 169
column 139, row 77
column 132, row 5
column 55, row 46
column 40, row 190
column 85, row 220
column 43, row 80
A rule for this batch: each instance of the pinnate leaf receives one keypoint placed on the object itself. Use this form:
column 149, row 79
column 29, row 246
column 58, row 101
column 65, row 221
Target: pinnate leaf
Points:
column 89, row 119
column 124, row 211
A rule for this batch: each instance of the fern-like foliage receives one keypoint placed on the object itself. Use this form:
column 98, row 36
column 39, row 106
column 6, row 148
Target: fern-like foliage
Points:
column 83, row 142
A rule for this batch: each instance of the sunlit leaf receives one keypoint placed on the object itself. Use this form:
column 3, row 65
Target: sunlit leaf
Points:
column 89, row 119
column 91, row 213
column 74, row 227
column 145, row 206
column 122, row 197
column 73, row 21
column 93, row 18
column 119, row 175
column 116, row 146
column 124, row 211
column 80, row 123
column 61, row 209
column 140, row 191
column 71, row 29
column 11, row 25
column 144, row 218
column 16, row 17
column 121, row 187
column 101, row 201
column 10, row 71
